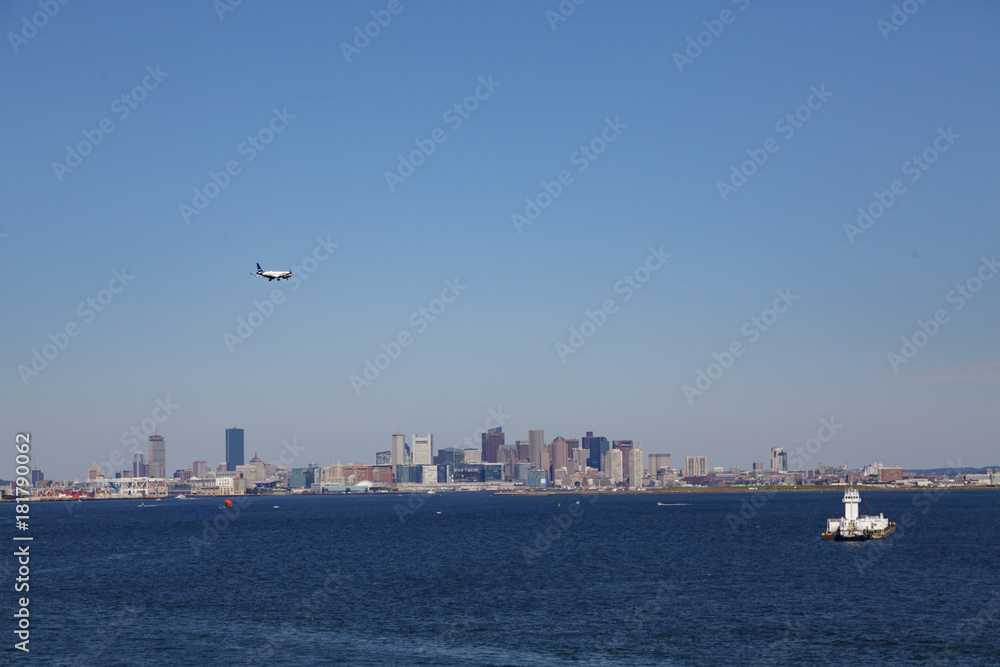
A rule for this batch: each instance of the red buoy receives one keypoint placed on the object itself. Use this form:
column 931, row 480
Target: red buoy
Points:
column 229, row 503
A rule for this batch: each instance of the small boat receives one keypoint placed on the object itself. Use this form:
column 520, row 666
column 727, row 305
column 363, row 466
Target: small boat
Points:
column 853, row 527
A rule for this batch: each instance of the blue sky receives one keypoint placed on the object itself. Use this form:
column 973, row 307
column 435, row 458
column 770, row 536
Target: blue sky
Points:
column 886, row 96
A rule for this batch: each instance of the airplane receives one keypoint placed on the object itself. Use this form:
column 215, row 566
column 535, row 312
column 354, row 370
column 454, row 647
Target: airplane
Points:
column 271, row 275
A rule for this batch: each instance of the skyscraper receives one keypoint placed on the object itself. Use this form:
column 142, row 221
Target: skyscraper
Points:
column 695, row 466
column 157, row 456
column 423, row 446
column 635, row 468
column 536, row 445
column 611, row 465
column 493, row 440
column 138, row 464
column 779, row 459
column 657, row 461
column 234, row 448
column 560, row 454
column 597, row 446
column 200, row 468
column 398, row 450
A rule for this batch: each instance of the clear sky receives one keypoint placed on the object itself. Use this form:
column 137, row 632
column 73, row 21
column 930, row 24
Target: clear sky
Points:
column 628, row 136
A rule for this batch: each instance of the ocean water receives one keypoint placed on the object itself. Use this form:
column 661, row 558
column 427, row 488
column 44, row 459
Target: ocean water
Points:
column 477, row 579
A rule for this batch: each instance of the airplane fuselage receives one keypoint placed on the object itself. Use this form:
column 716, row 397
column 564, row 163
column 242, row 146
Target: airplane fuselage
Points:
column 275, row 275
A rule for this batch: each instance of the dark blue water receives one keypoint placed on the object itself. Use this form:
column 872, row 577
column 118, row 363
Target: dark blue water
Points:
column 461, row 579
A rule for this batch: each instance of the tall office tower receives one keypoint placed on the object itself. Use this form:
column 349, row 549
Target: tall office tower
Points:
column 508, row 457
column 200, row 468
column 423, row 448
column 626, row 448
column 758, row 466
column 560, row 454
column 611, row 465
column 585, row 443
column 234, row 448
column 493, row 440
column 398, row 450
column 695, row 466
column 156, row 455
column 138, row 464
column 536, row 445
column 635, row 468
column 597, row 445
column 657, row 461
column 779, row 459
column 472, row 456
column 523, row 449
column 222, row 467
column 581, row 456
column 93, row 472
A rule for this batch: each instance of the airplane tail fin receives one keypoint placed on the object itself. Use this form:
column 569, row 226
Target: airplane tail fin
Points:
column 258, row 267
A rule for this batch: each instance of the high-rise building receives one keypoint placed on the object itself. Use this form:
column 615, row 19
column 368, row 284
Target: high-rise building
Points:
column 493, row 440
column 597, row 446
column 423, row 446
column 472, row 455
column 138, row 464
column 779, row 459
column 93, row 472
column 398, row 450
column 635, row 469
column 234, row 448
column 523, row 449
column 657, row 461
column 626, row 447
column 157, row 456
column 611, row 465
column 560, row 454
column 536, row 446
column 200, row 468
column 695, row 466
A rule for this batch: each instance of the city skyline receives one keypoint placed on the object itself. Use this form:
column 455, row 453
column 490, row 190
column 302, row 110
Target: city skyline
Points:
column 778, row 459
column 688, row 236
